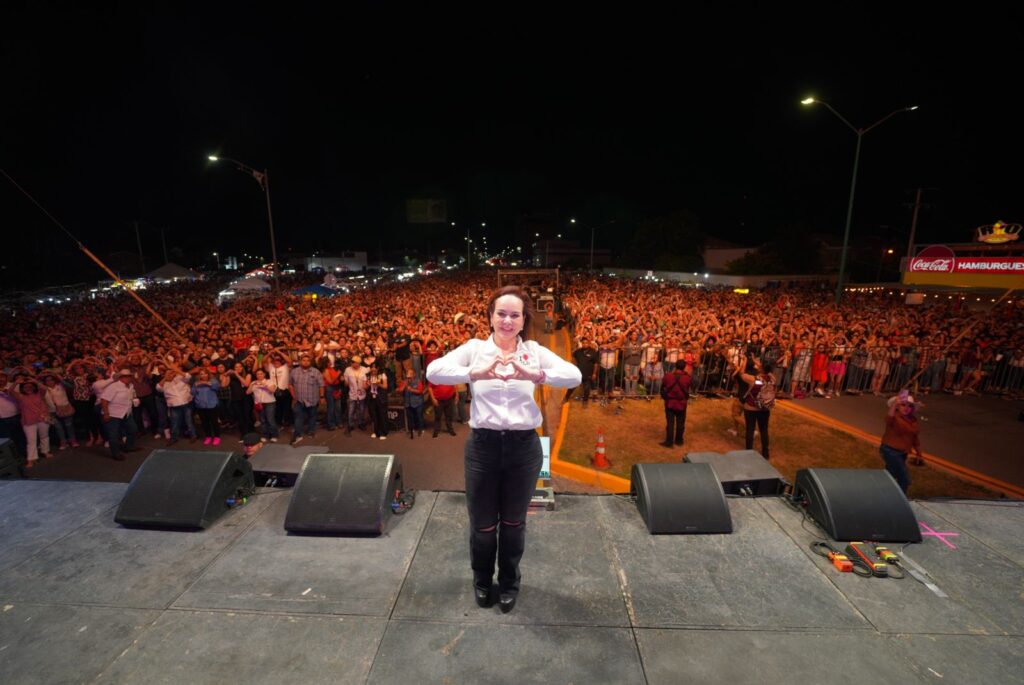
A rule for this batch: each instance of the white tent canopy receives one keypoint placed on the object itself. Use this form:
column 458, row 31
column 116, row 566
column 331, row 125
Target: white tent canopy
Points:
column 249, row 285
column 171, row 271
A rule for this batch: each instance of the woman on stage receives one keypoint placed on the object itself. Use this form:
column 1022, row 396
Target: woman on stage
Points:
column 503, row 453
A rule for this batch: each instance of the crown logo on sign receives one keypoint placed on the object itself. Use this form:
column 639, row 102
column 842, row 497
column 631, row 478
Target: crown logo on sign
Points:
column 997, row 233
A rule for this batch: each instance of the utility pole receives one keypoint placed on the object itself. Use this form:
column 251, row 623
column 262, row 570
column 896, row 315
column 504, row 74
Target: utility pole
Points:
column 163, row 242
column 138, row 239
column 913, row 227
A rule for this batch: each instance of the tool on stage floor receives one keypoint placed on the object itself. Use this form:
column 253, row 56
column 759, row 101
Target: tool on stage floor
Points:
column 862, row 554
column 896, row 569
column 404, row 501
column 838, row 559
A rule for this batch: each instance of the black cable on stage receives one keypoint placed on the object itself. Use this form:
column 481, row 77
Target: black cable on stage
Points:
column 402, row 503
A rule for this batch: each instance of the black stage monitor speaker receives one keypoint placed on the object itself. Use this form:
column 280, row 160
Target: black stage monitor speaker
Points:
column 344, row 493
column 10, row 465
column 179, row 489
column 742, row 472
column 680, row 498
column 857, row 504
column 280, row 465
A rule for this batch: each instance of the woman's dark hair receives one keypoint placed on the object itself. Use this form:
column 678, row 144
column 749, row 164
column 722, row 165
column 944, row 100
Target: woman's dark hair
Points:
column 522, row 295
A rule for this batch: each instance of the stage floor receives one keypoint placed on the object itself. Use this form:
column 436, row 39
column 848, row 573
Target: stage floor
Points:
column 83, row 600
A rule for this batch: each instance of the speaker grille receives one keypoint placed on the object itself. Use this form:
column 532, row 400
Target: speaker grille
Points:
column 857, row 504
column 179, row 489
column 343, row 493
column 680, row 498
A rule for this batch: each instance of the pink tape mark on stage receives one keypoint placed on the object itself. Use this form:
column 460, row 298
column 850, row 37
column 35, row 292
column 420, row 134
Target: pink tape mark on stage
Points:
column 941, row 536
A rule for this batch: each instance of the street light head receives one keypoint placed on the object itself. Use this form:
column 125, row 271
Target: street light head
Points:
column 213, row 158
column 912, row 108
column 808, row 101
column 572, row 221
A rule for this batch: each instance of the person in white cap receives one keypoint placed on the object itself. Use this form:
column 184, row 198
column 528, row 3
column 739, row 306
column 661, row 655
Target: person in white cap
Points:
column 902, row 434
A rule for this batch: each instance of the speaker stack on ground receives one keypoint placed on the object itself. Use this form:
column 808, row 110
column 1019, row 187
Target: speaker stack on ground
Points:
column 742, row 472
column 680, row 498
column 340, row 494
column 857, row 504
column 181, row 489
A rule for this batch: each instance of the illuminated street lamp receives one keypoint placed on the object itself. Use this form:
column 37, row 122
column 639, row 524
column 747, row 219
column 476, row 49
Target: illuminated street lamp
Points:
column 853, row 181
column 263, row 178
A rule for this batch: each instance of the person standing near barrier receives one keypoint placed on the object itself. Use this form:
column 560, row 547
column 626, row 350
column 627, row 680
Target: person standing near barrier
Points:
column 653, row 371
column 675, row 390
column 606, row 355
column 902, row 434
column 586, row 359
column 631, row 356
column 758, row 399
column 503, row 454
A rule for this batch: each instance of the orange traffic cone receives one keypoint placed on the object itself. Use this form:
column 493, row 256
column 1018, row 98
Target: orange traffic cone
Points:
column 600, row 461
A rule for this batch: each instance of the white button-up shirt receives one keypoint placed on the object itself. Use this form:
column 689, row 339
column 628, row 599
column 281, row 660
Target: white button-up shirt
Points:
column 280, row 374
column 119, row 399
column 177, row 392
column 497, row 404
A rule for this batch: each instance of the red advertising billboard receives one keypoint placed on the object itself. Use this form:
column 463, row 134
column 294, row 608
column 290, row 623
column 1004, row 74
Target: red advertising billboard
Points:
column 941, row 259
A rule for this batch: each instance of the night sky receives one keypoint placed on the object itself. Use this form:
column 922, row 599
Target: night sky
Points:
column 109, row 115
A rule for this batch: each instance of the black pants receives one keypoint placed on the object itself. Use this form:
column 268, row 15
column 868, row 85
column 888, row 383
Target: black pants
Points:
column 10, row 428
column 241, row 413
column 587, row 384
column 378, row 407
column 86, row 421
column 283, row 408
column 501, row 475
column 444, row 409
column 675, row 424
column 760, row 419
column 210, row 426
column 147, row 404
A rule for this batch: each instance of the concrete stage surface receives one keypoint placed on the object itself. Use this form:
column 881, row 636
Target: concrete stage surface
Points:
column 84, row 600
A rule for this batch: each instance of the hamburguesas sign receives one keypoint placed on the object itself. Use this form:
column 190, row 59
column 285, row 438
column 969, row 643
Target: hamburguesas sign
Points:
column 941, row 259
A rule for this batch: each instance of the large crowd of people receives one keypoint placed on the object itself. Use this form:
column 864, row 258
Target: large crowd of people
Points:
column 232, row 367
column 872, row 342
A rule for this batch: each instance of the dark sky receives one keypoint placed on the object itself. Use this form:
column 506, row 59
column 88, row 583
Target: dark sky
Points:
column 108, row 116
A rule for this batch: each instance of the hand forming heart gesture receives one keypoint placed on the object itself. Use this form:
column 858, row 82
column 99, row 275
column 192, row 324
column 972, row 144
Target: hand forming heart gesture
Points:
column 505, row 368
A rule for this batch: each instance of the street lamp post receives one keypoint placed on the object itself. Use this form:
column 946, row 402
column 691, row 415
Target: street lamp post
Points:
column 263, row 178
column 853, row 181
column 217, row 255
column 592, row 227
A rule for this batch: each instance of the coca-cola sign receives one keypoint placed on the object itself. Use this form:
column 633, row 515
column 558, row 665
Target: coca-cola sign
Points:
column 935, row 258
